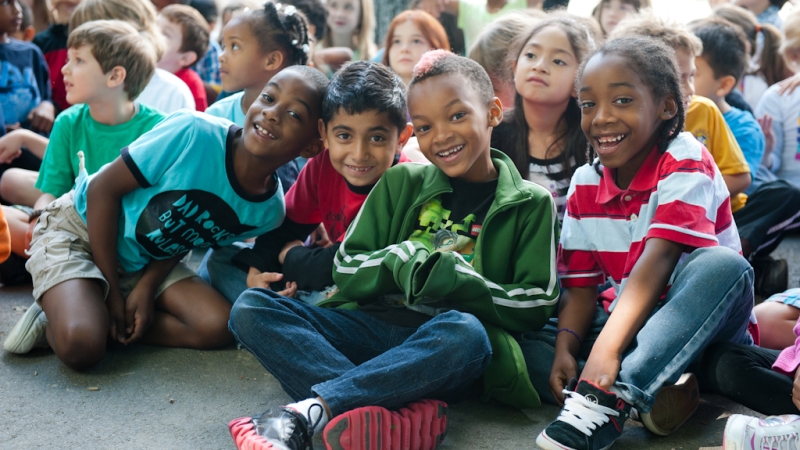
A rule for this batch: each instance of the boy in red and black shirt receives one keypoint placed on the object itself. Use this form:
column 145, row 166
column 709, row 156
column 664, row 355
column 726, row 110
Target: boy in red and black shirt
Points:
column 364, row 128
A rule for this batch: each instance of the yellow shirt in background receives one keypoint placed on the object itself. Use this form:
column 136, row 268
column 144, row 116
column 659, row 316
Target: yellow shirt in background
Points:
column 704, row 120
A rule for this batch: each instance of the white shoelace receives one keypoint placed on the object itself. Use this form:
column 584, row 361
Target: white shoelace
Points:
column 582, row 414
column 784, row 442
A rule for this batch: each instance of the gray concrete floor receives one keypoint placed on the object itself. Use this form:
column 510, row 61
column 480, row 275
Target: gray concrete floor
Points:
column 157, row 398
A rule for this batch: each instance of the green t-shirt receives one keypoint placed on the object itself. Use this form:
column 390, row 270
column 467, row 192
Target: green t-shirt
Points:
column 76, row 130
column 473, row 16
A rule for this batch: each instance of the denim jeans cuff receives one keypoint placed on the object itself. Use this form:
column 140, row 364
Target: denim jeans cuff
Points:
column 633, row 395
column 329, row 397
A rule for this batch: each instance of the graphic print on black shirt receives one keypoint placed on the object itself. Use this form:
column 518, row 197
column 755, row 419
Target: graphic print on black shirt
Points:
column 453, row 221
column 175, row 222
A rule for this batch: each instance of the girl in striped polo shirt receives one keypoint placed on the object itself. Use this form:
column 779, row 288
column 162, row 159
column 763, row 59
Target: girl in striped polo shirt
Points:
column 651, row 218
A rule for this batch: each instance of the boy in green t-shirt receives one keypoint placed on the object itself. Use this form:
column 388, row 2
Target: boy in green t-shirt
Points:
column 108, row 66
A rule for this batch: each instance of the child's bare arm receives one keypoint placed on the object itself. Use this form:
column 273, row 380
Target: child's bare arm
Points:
column 642, row 292
column 578, row 305
column 42, row 116
column 12, row 143
column 139, row 304
column 737, row 183
column 103, row 198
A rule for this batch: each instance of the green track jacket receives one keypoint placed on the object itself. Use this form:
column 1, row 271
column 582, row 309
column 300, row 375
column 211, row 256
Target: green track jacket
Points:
column 512, row 284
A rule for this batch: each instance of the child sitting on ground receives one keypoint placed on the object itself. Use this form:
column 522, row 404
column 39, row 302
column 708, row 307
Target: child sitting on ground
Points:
column 441, row 259
column 255, row 46
column 650, row 216
column 773, row 205
column 186, row 33
column 542, row 135
column 108, row 67
column 105, row 257
column 363, row 127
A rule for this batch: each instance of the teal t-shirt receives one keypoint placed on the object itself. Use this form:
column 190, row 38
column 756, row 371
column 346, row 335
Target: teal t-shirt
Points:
column 76, row 130
column 189, row 196
column 229, row 108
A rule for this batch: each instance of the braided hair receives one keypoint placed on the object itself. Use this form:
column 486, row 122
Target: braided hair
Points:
column 281, row 27
column 655, row 64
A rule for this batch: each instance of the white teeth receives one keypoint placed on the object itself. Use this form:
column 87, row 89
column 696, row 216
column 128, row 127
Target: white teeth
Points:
column 262, row 130
column 605, row 140
column 359, row 169
column 450, row 152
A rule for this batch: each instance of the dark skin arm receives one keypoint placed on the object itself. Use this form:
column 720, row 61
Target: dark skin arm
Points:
column 642, row 293
column 577, row 310
column 103, row 197
column 139, row 305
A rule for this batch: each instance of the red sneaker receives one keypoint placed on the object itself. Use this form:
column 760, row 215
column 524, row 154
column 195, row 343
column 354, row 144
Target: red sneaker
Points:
column 419, row 426
column 288, row 430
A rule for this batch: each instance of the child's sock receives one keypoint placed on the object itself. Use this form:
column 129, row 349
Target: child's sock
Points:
column 311, row 412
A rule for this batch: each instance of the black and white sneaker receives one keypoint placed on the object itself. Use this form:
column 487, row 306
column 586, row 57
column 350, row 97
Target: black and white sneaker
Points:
column 591, row 419
column 288, row 430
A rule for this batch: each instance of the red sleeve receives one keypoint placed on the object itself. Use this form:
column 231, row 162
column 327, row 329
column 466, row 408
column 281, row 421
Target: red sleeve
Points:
column 302, row 202
column 5, row 238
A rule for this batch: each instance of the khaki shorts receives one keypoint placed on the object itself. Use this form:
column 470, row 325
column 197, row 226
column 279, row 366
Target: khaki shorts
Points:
column 60, row 251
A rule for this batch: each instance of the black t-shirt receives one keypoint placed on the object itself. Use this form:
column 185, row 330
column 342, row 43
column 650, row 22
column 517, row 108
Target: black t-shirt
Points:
column 450, row 222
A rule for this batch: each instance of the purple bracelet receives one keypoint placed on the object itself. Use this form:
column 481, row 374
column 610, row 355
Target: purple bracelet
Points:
column 580, row 342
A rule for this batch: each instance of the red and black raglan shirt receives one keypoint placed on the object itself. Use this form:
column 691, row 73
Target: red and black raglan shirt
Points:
column 53, row 43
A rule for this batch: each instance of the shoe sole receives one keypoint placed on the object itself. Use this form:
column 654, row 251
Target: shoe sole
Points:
column 674, row 405
column 244, row 435
column 16, row 340
column 545, row 442
column 420, row 426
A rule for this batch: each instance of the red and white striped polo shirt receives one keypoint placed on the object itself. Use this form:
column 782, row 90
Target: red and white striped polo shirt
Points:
column 679, row 196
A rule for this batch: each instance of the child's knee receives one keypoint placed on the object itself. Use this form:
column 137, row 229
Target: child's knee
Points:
column 213, row 333
column 80, row 346
column 465, row 331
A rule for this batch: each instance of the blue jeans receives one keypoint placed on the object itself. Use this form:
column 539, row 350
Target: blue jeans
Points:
column 710, row 301
column 352, row 359
column 218, row 271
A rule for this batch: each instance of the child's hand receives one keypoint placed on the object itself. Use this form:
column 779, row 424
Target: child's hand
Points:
column 116, row 315
column 11, row 146
column 258, row 279
column 564, row 369
column 769, row 138
column 138, row 312
column 42, row 117
column 286, row 248
column 320, row 238
column 602, row 369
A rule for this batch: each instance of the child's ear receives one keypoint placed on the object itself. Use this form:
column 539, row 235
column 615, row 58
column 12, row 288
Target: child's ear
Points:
column 273, row 61
column 405, row 135
column 670, row 108
column 116, row 77
column 187, row 58
column 495, row 112
column 725, row 85
column 322, row 129
column 313, row 149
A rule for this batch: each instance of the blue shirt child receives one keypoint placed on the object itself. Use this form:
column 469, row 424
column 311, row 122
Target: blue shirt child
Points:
column 24, row 80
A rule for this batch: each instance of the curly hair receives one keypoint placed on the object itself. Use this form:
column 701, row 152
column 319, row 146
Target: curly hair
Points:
column 655, row 64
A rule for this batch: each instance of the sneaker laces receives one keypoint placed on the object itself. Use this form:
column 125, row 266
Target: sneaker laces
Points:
column 789, row 441
column 582, row 414
column 293, row 428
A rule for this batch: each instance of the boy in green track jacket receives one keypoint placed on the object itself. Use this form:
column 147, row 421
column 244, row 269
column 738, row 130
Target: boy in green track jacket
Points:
column 443, row 262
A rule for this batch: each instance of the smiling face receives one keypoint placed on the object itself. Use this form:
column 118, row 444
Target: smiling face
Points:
column 545, row 70
column 612, row 13
column 362, row 146
column 83, row 76
column 10, row 16
column 454, row 126
column 408, row 45
column 343, row 15
column 282, row 121
column 241, row 56
column 619, row 115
